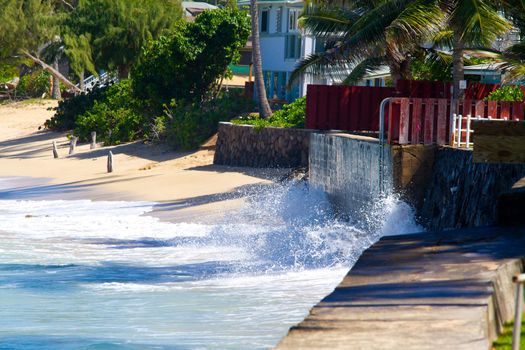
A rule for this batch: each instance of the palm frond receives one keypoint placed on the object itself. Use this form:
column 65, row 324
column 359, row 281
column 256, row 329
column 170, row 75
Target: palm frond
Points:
column 327, row 21
column 363, row 68
column 326, row 63
column 479, row 21
column 418, row 20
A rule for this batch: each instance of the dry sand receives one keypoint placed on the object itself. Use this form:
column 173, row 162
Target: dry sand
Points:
column 185, row 184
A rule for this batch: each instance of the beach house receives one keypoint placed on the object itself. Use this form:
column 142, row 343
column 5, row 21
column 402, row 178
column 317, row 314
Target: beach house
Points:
column 283, row 45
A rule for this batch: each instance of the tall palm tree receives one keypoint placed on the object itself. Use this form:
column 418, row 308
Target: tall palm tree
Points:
column 363, row 35
column 264, row 107
column 472, row 23
column 366, row 34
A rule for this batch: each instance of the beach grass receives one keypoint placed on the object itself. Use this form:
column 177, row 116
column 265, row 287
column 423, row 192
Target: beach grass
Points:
column 504, row 342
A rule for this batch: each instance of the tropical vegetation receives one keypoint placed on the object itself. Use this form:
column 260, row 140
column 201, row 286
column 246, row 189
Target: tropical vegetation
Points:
column 292, row 115
column 411, row 37
column 174, row 89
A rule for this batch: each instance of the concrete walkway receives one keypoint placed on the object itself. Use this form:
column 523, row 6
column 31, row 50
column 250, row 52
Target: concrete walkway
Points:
column 443, row 291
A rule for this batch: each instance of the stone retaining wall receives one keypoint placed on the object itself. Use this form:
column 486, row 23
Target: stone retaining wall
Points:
column 461, row 193
column 245, row 145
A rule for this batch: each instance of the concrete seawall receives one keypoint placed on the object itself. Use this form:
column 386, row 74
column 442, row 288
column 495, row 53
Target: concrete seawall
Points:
column 441, row 291
column 346, row 167
column 443, row 184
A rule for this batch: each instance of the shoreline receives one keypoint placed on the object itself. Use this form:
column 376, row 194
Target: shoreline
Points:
column 184, row 185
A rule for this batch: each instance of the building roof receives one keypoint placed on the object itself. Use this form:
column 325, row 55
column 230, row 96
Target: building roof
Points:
column 193, row 8
column 270, row 2
column 477, row 69
column 480, row 69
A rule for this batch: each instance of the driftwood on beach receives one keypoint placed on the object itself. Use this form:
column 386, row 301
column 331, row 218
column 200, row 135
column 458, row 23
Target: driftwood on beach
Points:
column 110, row 162
column 55, row 150
column 73, row 144
column 93, row 140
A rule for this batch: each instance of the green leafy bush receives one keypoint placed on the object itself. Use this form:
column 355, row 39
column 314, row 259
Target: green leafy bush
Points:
column 68, row 110
column 292, row 115
column 187, row 64
column 117, row 117
column 190, row 125
column 506, row 93
column 111, row 111
column 35, row 84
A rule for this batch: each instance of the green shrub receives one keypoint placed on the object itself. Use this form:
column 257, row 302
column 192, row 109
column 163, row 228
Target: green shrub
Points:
column 35, row 84
column 116, row 117
column 68, row 110
column 506, row 93
column 190, row 125
column 292, row 115
column 187, row 64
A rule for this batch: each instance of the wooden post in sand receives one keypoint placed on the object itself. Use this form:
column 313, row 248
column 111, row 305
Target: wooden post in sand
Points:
column 93, row 140
column 110, row 162
column 73, row 144
column 55, row 150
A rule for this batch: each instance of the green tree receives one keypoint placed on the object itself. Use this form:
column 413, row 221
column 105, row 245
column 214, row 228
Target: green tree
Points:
column 27, row 25
column 119, row 28
column 188, row 64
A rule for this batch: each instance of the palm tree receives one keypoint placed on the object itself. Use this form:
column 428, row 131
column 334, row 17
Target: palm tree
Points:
column 264, row 107
column 364, row 35
column 474, row 24
column 367, row 34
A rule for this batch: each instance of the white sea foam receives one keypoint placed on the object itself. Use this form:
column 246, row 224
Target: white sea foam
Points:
column 89, row 271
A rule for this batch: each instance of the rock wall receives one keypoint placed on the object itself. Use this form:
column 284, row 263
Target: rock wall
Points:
column 245, row 145
column 461, row 193
column 346, row 167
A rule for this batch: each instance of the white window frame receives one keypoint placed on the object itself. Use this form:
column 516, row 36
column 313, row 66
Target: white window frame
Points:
column 292, row 23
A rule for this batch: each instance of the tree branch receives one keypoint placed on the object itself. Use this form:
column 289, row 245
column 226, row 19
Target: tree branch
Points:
column 53, row 71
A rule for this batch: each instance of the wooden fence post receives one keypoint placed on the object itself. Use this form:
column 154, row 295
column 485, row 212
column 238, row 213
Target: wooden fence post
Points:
column 72, row 144
column 93, row 140
column 110, row 162
column 55, row 150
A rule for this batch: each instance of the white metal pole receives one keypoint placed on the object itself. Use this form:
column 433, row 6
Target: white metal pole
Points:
column 516, row 332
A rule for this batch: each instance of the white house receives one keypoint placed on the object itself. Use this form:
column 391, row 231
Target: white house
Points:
column 283, row 45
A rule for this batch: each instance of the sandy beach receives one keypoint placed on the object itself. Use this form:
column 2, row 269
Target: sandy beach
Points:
column 183, row 183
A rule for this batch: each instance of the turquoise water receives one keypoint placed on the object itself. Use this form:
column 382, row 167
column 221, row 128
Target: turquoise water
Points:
column 102, row 275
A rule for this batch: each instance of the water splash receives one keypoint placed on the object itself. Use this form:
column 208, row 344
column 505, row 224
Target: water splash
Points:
column 80, row 267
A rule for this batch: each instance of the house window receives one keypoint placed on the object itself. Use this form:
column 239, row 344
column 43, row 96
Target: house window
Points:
column 293, row 16
column 292, row 46
column 264, row 21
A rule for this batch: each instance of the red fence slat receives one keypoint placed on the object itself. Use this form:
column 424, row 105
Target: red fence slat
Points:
column 417, row 109
column 429, row 121
column 441, row 136
column 492, row 109
column 505, row 110
column 404, row 115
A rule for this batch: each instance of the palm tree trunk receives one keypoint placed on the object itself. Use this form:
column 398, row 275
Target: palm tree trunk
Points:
column 264, row 107
column 458, row 72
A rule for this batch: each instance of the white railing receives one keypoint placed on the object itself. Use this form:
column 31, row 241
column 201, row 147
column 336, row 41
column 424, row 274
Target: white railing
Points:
column 462, row 130
column 102, row 80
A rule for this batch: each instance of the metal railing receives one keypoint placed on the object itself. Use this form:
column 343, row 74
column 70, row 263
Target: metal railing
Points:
column 516, row 332
column 102, row 80
column 462, row 130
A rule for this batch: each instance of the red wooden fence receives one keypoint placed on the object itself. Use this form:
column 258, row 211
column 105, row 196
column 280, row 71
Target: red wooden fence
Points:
column 427, row 120
column 356, row 108
column 352, row 108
